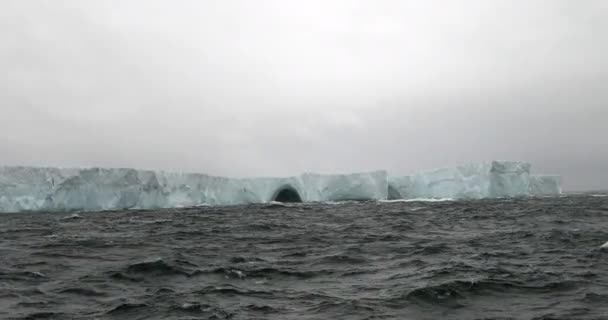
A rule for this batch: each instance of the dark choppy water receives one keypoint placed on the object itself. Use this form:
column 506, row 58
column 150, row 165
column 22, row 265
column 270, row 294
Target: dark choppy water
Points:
column 516, row 259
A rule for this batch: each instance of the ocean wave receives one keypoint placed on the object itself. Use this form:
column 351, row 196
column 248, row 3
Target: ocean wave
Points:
column 494, row 259
column 157, row 267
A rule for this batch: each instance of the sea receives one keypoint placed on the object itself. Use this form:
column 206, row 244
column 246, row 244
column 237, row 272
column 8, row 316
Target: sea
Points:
column 534, row 258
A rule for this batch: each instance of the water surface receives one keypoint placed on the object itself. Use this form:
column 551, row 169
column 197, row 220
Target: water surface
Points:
column 493, row 259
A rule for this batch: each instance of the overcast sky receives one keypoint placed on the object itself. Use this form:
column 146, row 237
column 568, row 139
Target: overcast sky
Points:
column 258, row 88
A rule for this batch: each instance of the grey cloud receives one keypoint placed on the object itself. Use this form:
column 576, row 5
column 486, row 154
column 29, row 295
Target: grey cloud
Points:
column 279, row 87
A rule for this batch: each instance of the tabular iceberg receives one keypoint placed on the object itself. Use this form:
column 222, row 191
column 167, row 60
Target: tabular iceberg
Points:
column 53, row 189
column 494, row 179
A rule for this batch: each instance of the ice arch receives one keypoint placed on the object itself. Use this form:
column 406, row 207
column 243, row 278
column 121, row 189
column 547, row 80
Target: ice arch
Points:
column 287, row 194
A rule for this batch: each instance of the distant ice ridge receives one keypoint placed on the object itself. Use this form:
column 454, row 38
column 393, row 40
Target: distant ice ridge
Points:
column 54, row 189
column 493, row 179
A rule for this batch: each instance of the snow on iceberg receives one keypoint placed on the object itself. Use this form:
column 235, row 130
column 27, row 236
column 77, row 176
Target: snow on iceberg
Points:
column 54, row 189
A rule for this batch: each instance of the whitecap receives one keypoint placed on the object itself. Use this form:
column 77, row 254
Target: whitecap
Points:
column 418, row 200
column 72, row 216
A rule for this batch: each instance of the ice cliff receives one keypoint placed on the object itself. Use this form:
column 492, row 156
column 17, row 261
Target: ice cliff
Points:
column 493, row 179
column 545, row 185
column 54, row 189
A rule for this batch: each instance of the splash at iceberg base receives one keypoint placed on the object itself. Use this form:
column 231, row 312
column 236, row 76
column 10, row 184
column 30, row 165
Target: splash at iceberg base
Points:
column 493, row 179
column 54, row 189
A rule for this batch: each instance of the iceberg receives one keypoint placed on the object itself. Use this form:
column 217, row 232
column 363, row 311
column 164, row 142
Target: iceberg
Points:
column 55, row 189
column 92, row 189
column 545, row 185
column 492, row 179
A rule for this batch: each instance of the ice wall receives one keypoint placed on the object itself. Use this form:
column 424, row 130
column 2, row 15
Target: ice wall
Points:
column 509, row 179
column 53, row 189
column 494, row 179
column 545, row 185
